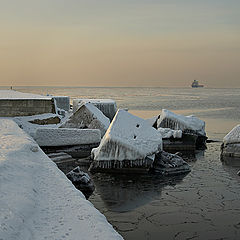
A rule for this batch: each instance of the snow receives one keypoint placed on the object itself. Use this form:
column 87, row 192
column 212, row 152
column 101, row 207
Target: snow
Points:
column 31, row 128
column 128, row 138
column 12, row 94
column 66, row 136
column 37, row 201
column 107, row 106
column 168, row 133
column 88, row 116
column 233, row 136
column 174, row 121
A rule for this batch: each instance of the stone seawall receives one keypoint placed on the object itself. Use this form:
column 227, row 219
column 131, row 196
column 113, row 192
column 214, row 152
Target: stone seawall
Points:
column 25, row 107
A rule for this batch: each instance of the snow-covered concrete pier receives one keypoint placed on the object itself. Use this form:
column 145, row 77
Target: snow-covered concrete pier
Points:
column 37, row 201
column 13, row 103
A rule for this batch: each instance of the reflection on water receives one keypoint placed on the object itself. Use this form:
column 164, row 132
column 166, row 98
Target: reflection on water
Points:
column 122, row 193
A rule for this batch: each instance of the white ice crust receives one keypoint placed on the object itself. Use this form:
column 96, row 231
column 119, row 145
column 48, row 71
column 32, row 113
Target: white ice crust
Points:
column 180, row 122
column 128, row 138
column 66, row 136
column 233, row 136
column 168, row 133
column 37, row 201
column 12, row 94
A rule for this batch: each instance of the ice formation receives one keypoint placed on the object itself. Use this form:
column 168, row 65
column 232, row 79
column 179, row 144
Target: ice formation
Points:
column 127, row 138
column 231, row 143
column 233, row 136
column 37, row 201
column 88, row 116
column 66, row 136
column 107, row 106
column 168, row 133
column 188, row 124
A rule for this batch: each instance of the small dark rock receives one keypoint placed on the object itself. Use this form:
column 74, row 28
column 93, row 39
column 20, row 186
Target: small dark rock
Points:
column 81, row 181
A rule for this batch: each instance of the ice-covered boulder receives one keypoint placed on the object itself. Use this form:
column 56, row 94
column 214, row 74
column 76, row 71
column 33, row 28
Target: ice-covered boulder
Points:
column 188, row 124
column 168, row 164
column 130, row 142
column 81, row 181
column 169, row 133
column 107, row 106
column 231, row 143
column 87, row 116
column 66, row 136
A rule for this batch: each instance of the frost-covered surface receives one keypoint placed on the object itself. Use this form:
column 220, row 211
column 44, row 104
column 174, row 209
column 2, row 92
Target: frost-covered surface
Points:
column 66, row 136
column 128, row 138
column 107, row 106
column 168, row 133
column 88, row 116
column 233, row 136
column 37, row 201
column 12, row 94
column 174, row 121
column 31, row 128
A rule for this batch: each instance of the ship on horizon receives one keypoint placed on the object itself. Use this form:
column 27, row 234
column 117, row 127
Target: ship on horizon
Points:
column 195, row 84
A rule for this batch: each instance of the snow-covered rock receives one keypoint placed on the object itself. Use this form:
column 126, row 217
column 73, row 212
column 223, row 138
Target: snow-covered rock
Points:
column 37, row 201
column 233, row 136
column 66, row 136
column 81, row 181
column 107, row 106
column 231, row 143
column 128, row 138
column 88, row 116
column 188, row 124
column 168, row 133
column 168, row 164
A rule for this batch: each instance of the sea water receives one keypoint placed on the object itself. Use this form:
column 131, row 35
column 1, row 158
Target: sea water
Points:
column 205, row 204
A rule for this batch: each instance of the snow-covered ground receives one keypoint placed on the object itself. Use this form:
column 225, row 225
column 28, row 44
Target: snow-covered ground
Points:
column 37, row 201
column 12, row 94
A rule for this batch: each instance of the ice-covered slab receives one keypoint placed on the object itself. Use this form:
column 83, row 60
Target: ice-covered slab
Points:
column 233, row 136
column 128, row 138
column 107, row 106
column 66, row 136
column 188, row 124
column 37, row 201
column 168, row 133
column 88, row 116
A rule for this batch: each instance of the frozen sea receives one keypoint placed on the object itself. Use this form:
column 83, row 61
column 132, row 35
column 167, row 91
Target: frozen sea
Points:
column 205, row 204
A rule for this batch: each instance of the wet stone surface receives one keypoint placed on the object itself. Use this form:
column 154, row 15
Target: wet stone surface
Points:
column 205, row 204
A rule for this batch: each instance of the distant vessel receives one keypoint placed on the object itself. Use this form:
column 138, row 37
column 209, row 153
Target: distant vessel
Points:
column 195, row 84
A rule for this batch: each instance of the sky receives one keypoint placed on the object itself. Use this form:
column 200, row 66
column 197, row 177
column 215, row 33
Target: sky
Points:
column 158, row 43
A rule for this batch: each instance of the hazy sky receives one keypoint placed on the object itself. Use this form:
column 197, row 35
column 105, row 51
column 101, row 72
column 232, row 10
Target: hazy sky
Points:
column 120, row 42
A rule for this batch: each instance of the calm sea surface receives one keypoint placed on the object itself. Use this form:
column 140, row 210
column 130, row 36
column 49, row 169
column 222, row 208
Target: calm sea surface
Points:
column 205, row 204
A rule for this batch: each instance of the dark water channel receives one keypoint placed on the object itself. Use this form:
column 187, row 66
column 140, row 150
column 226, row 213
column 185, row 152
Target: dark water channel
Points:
column 205, row 204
